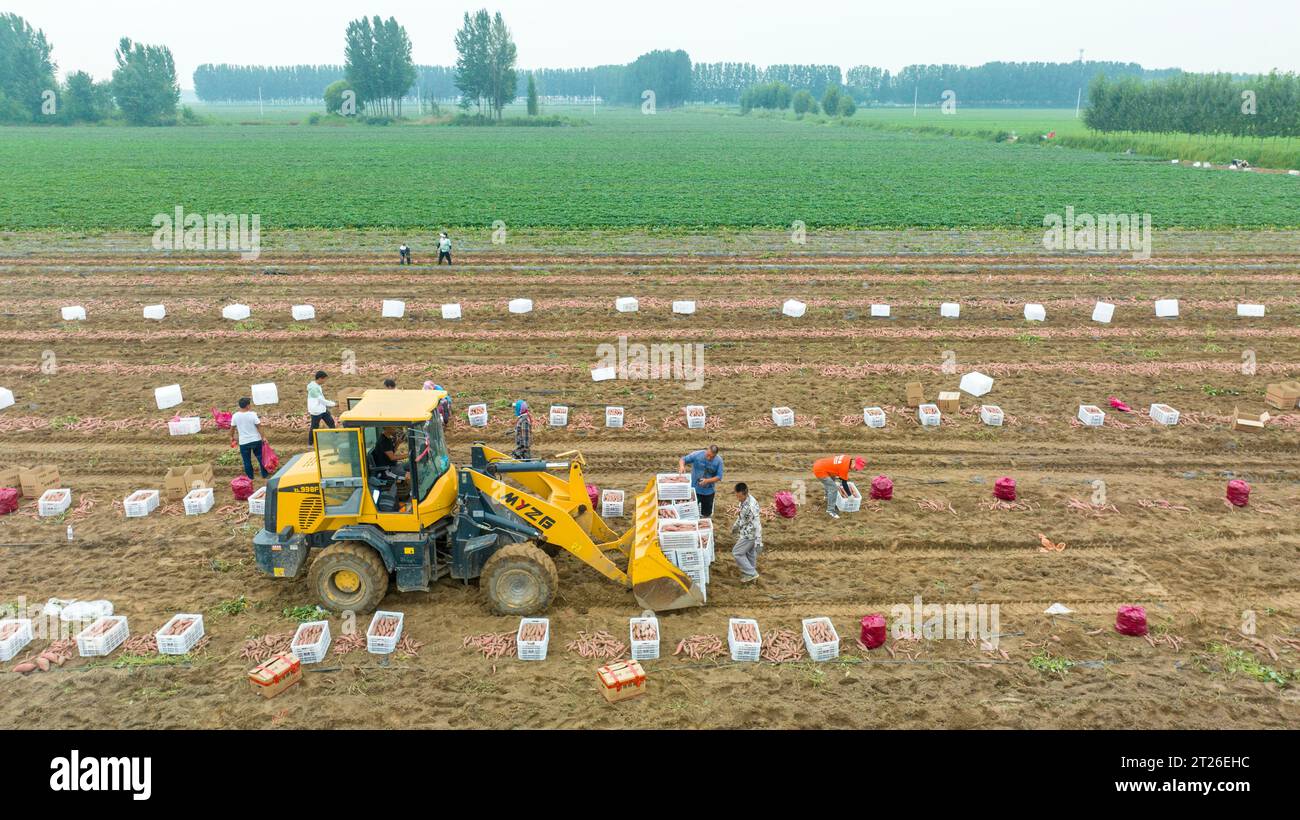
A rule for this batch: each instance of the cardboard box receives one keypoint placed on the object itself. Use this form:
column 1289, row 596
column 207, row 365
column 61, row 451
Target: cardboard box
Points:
column 949, row 402
column 621, row 680
column 11, row 477
column 36, row 480
column 273, row 676
column 176, row 484
column 1283, row 395
column 201, row 473
column 915, row 394
column 1248, row 421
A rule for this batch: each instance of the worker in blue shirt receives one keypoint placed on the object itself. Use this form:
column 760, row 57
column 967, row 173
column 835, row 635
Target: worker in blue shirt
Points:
column 706, row 472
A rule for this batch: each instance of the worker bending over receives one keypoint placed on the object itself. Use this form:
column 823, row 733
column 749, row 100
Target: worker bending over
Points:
column 833, row 469
column 523, row 432
column 748, row 529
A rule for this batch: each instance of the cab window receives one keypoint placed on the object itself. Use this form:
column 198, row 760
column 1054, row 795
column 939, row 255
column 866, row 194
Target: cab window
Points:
column 430, row 450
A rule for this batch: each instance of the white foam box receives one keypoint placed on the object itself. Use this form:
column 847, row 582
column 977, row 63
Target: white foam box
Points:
column 744, row 650
column 520, row 306
column 93, row 646
column 303, row 313
column 1251, row 311
column 929, row 415
column 611, row 503
column 384, row 644
column 392, row 309
column 559, row 416
column 477, row 414
column 168, row 396
column 627, row 304
column 991, row 415
column 73, row 313
column 874, row 417
column 311, row 652
column 1091, row 415
column 950, row 310
column 645, row 650
column 257, row 502
column 782, row 416
column 696, row 416
column 1103, row 312
column 672, row 490
column 20, row 630
column 1035, row 312
column 185, row 426
column 850, row 503
column 976, row 383
column 265, row 393
column 140, row 503
column 1163, row 414
column 6, row 398
column 604, row 374
column 155, row 312
column 451, row 311
column 184, row 642
column 54, row 502
column 1167, row 308
column 821, row 651
column 684, row 307
column 881, row 311
column 199, row 501
column 236, row 313
column 613, row 416
column 532, row 650
column 794, row 308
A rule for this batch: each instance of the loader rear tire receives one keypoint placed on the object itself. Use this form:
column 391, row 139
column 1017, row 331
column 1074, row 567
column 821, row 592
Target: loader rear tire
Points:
column 519, row 579
column 349, row 576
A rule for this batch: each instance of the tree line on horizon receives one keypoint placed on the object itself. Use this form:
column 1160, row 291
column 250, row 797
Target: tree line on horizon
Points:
column 1220, row 104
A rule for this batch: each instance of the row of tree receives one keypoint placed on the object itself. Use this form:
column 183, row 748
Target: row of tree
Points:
column 779, row 96
column 1266, row 106
column 243, row 83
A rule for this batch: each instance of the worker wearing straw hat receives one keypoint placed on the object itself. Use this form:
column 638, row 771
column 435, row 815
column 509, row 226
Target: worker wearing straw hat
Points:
column 833, row 472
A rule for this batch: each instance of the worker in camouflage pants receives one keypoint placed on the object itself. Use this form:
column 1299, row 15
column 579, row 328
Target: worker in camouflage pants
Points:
column 748, row 530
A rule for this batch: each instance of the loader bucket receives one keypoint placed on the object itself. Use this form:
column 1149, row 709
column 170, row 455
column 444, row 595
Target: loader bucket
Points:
column 656, row 584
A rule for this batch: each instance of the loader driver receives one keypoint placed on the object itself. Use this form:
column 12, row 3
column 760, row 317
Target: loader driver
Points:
column 385, row 453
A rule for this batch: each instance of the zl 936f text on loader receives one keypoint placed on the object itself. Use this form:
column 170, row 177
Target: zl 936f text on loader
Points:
column 497, row 519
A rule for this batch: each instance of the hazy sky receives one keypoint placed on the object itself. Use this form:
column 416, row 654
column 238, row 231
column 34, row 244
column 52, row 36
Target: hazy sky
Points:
column 1241, row 36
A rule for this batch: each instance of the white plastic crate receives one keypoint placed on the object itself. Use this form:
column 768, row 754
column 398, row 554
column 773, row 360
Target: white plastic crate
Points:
column 140, row 503
column 20, row 637
column 54, row 502
column 794, row 308
column 168, row 396
column 627, row 304
column 477, row 414
column 684, row 307
column 1164, row 414
column 611, row 503
column 645, row 650
column 520, row 306
column 73, row 313
column 392, row 309
column 303, row 313
column 744, row 650
column 691, row 557
column 929, row 415
column 782, row 416
column 874, row 417
column 821, row 651
column 696, row 416
column 669, row 487
column 559, row 415
column 880, row 311
column 1251, row 311
column 604, row 374
column 670, row 554
column 613, row 416
column 700, row 578
column 1103, row 312
column 199, row 501
column 1035, row 312
column 381, row 645
column 976, row 383
column 185, row 426
column 532, row 650
column 6, row 398
column 265, row 393
column 991, row 415
column 950, row 310
column 1167, row 308
column 451, row 311
column 848, row 503
column 706, row 538
column 688, row 510
column 236, row 313
column 1091, row 415
column 257, row 502
column 93, row 646
column 182, row 643
column 155, row 312
column 685, row 536
column 311, row 652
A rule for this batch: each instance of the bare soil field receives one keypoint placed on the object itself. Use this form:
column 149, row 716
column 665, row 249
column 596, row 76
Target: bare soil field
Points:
column 1164, row 537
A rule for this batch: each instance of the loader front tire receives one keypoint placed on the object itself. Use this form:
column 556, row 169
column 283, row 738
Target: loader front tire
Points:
column 519, row 579
column 349, row 576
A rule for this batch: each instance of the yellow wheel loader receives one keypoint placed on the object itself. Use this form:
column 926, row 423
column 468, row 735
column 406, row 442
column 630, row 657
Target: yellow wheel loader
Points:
column 379, row 502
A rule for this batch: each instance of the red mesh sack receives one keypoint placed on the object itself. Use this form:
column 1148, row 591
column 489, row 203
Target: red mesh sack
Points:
column 242, row 487
column 1131, row 620
column 270, row 461
column 8, row 500
column 882, row 489
column 873, row 630
column 784, row 504
column 1005, row 488
column 593, row 492
column 222, row 418
column 1238, row 492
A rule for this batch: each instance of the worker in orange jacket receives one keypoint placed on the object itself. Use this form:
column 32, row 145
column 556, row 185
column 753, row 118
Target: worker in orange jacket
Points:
column 833, row 469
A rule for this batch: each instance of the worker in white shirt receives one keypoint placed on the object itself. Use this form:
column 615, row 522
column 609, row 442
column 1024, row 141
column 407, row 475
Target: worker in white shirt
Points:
column 318, row 407
column 248, row 434
column 444, row 248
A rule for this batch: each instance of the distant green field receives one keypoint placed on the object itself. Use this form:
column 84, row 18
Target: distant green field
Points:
column 691, row 169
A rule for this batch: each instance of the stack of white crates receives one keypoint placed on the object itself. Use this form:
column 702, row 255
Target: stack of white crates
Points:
column 685, row 539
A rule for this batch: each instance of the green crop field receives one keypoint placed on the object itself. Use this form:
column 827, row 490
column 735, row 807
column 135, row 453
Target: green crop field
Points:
column 690, row 169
